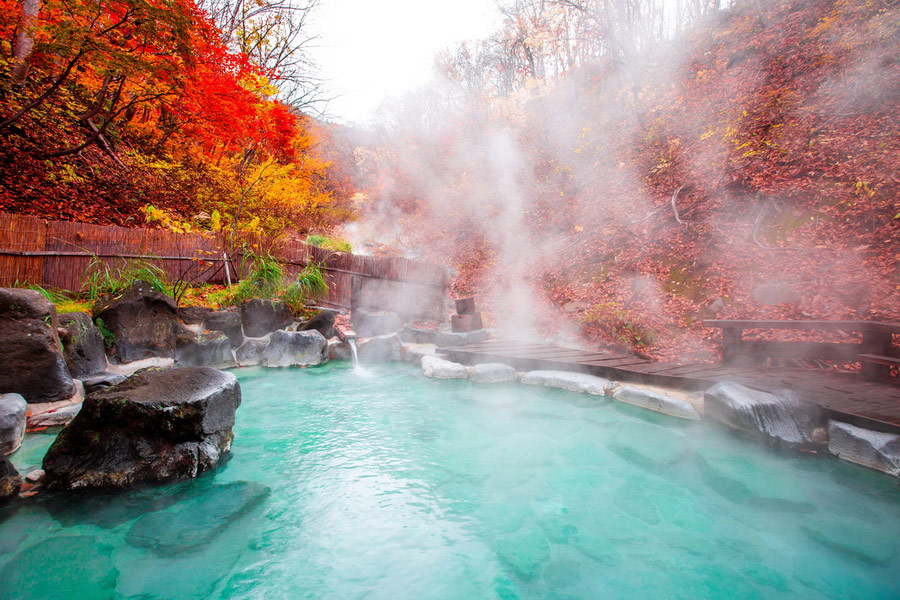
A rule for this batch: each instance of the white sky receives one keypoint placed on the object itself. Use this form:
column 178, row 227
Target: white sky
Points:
column 372, row 49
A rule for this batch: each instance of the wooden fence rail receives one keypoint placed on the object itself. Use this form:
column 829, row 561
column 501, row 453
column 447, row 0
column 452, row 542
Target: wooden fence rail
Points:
column 57, row 254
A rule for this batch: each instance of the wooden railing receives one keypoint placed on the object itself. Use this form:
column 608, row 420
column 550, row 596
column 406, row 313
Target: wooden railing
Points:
column 877, row 342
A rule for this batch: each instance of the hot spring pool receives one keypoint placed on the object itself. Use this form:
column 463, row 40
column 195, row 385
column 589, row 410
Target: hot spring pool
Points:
column 383, row 484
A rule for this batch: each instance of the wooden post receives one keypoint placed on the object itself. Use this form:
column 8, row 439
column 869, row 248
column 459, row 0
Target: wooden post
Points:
column 878, row 343
column 731, row 345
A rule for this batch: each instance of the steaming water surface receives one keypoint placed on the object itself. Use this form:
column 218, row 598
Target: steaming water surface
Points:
column 378, row 483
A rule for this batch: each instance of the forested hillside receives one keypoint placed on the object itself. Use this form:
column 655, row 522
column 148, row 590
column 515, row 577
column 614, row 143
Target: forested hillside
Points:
column 152, row 111
column 640, row 181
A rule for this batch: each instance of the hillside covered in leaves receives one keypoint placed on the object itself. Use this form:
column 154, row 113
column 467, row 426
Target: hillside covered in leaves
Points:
column 743, row 168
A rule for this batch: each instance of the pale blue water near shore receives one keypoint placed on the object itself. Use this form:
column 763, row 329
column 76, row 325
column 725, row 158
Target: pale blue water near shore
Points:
column 382, row 484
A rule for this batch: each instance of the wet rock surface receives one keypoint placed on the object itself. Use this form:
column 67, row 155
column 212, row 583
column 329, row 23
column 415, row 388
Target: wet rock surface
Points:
column 260, row 316
column 780, row 419
column 12, row 422
column 655, row 401
column 10, row 480
column 447, row 339
column 197, row 521
column 143, row 321
column 33, row 365
column 493, row 373
column 382, row 348
column 295, row 348
column 82, row 343
column 203, row 350
column 369, row 323
column 873, row 449
column 438, row 368
column 155, row 426
column 567, row 380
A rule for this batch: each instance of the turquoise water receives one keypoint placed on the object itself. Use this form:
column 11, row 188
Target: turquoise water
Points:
column 382, row 484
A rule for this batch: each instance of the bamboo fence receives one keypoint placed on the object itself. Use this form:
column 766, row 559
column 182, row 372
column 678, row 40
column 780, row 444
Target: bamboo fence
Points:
column 56, row 254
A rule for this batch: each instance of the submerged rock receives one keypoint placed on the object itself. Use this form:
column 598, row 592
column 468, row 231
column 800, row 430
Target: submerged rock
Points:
column 197, row 521
column 10, row 480
column 33, row 365
column 493, row 373
column 228, row 323
column 873, row 449
column 656, row 401
column 369, row 323
column 203, row 350
column 438, row 368
column 447, row 339
column 143, row 321
column 79, row 564
column 568, row 380
column 82, row 344
column 260, row 316
column 155, row 426
column 12, row 422
column 382, row 348
column 777, row 418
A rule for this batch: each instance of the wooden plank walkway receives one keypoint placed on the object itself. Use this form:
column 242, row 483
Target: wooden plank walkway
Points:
column 844, row 396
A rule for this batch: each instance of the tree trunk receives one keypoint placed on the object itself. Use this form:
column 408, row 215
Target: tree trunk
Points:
column 25, row 40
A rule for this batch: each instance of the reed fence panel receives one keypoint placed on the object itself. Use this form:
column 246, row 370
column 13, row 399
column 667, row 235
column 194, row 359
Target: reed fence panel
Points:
column 56, row 254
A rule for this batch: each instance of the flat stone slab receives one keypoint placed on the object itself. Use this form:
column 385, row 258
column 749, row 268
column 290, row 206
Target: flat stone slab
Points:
column 656, row 401
column 873, row 449
column 493, row 373
column 55, row 418
column 438, row 368
column 567, row 380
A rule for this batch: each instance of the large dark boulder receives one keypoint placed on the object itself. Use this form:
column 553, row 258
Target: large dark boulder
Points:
column 32, row 364
column 193, row 315
column 143, row 321
column 260, row 316
column 82, row 344
column 10, row 480
column 369, row 323
column 228, row 323
column 12, row 422
column 323, row 322
column 203, row 350
column 155, row 426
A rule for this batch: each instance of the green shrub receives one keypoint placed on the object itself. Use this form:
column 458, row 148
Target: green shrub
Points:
column 63, row 300
column 101, row 279
column 268, row 279
column 109, row 338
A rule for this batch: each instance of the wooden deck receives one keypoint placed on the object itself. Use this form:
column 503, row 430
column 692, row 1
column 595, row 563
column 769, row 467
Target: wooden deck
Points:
column 844, row 396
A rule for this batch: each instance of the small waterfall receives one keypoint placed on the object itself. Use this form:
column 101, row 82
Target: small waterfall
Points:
column 352, row 343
